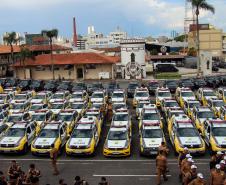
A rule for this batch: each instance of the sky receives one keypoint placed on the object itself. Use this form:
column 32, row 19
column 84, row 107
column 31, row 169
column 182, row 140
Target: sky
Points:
column 136, row 17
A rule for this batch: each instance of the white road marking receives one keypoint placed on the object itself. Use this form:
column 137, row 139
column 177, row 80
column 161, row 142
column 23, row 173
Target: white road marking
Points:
column 104, row 175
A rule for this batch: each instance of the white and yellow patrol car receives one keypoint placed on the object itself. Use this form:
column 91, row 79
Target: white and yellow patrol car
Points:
column 69, row 116
column 215, row 134
column 189, row 105
column 58, row 105
column 38, row 106
column 168, row 103
column 140, row 94
column 118, row 95
column 221, row 94
column 17, row 117
column 173, row 111
column 201, row 114
column 96, row 113
column 18, row 137
column 80, row 107
column 84, row 138
column 182, row 94
column 118, row 142
column 223, row 112
column 204, row 94
column 53, row 132
column 215, row 105
column 98, row 96
column 25, row 96
column 119, row 105
column 140, row 106
column 60, row 96
column 79, row 96
column 151, row 137
column 161, row 94
column 41, row 97
column 184, row 134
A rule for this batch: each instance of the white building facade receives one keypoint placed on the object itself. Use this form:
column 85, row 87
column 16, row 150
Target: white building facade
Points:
column 132, row 64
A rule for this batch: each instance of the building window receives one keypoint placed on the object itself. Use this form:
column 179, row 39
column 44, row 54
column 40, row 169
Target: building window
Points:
column 132, row 58
column 208, row 64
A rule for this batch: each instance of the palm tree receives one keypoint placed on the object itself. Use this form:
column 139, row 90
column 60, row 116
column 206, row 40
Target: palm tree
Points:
column 50, row 34
column 200, row 5
column 24, row 54
column 10, row 39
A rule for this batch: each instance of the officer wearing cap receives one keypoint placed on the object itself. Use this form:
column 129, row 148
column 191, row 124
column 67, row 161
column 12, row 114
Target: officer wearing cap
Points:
column 215, row 159
column 183, row 156
column 186, row 167
column 199, row 180
column 217, row 176
column 222, row 164
column 191, row 175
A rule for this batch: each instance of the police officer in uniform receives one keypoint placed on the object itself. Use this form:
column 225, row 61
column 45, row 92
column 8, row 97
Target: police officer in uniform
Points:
column 217, row 176
column 191, row 175
column 53, row 157
column 161, row 166
column 199, row 180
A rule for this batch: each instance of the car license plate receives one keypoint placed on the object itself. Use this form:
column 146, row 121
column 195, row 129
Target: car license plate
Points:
column 115, row 153
column 153, row 152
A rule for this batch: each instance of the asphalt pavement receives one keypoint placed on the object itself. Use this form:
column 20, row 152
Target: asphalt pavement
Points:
column 133, row 170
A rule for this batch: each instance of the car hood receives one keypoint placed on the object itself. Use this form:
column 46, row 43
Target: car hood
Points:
column 152, row 142
column 120, row 123
column 96, row 99
column 117, row 99
column 36, row 101
column 55, row 111
column 75, row 99
column 53, row 100
column 116, row 144
column 209, row 97
column 141, row 98
column 2, row 101
column 221, row 140
column 190, row 140
column 10, row 140
column 189, row 98
column 162, row 98
column 44, row 141
column 79, row 141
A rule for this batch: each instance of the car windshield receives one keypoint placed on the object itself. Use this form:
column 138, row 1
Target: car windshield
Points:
column 64, row 117
column 82, row 133
column 57, row 106
column 187, row 132
column 35, row 107
column 117, row 135
column 171, row 104
column 171, row 83
column 20, row 97
column 97, row 95
column 18, row 106
column 164, row 94
column 23, row 83
column 121, row 117
column 76, row 96
column 15, row 132
column 187, row 94
column 151, row 116
column 38, row 117
column 49, row 133
column 14, row 118
column 95, row 86
column 152, row 133
column 118, row 95
column 58, row 96
column 192, row 105
column 49, row 85
column 208, row 93
column 219, row 131
column 35, row 83
column 141, row 105
column 40, row 96
column 77, row 106
column 142, row 94
column 118, row 106
column 206, row 114
column 218, row 103
column 133, row 86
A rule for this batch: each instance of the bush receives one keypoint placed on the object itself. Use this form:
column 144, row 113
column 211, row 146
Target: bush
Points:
column 167, row 75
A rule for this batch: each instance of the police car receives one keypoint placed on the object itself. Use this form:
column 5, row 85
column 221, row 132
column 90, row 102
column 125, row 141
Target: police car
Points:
column 183, row 94
column 168, row 103
column 60, row 96
column 80, row 107
column 41, row 97
column 118, row 95
column 117, row 143
column 38, row 106
column 221, row 94
column 69, row 116
column 151, row 137
column 118, row 105
column 140, row 106
column 215, row 106
column 173, row 111
column 141, row 94
column 121, row 118
column 84, row 138
column 161, row 94
column 98, row 96
column 18, row 137
column 189, row 105
column 19, row 106
column 204, row 94
column 17, row 116
column 184, row 134
column 201, row 114
column 25, row 96
column 53, row 132
column 94, row 112
column 58, row 105
column 215, row 134
column 79, row 96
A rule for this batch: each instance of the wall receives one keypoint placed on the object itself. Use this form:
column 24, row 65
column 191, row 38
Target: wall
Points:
column 94, row 73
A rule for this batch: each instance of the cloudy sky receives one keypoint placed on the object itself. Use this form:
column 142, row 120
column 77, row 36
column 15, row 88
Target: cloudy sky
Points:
column 137, row 17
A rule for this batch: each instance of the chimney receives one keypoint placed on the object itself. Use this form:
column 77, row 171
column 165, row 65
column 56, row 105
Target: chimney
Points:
column 74, row 33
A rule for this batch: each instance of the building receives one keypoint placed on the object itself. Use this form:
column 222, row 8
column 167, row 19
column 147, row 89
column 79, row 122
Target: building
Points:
column 132, row 65
column 210, row 39
column 35, row 39
column 224, row 46
column 117, row 36
column 71, row 66
column 81, row 43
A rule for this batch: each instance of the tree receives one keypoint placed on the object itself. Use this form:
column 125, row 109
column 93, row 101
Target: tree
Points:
column 50, row 34
column 180, row 38
column 24, row 54
column 10, row 39
column 200, row 5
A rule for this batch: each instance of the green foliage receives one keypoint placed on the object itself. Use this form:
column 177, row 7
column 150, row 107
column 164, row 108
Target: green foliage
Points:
column 180, row 38
column 170, row 75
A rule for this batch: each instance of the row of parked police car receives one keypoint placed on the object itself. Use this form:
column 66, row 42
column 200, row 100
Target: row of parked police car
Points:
column 73, row 121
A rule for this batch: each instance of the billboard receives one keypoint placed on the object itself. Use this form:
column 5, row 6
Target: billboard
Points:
column 201, row 27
